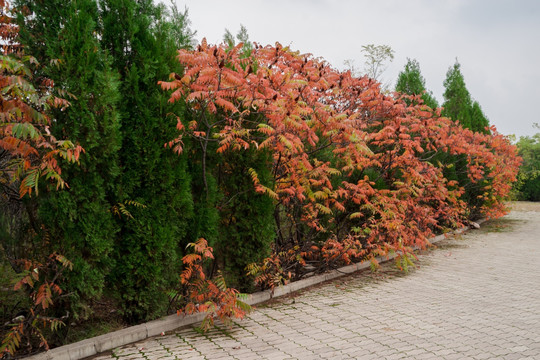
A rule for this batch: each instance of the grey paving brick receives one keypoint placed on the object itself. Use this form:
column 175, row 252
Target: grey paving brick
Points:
column 472, row 298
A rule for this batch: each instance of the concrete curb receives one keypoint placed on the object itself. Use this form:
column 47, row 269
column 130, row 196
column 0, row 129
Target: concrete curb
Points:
column 106, row 342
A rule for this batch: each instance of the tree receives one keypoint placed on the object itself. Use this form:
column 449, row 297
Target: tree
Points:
column 63, row 35
column 458, row 104
column 350, row 168
column 410, row 81
column 457, row 100
column 28, row 152
column 479, row 121
column 143, row 39
column 376, row 57
column 242, row 36
column 375, row 65
column 528, row 184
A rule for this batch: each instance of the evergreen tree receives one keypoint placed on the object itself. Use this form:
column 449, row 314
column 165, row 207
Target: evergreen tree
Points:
column 78, row 221
column 479, row 121
column 457, row 100
column 237, row 222
column 458, row 104
column 247, row 226
column 242, row 36
column 410, row 81
column 143, row 39
column 528, row 184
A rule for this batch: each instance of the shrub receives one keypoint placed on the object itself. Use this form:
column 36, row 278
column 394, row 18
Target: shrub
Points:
column 349, row 164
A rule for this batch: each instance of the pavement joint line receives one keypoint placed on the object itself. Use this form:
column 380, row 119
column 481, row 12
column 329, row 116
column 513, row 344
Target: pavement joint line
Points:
column 116, row 339
column 189, row 344
column 252, row 333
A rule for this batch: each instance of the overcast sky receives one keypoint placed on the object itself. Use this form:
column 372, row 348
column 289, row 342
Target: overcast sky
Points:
column 497, row 42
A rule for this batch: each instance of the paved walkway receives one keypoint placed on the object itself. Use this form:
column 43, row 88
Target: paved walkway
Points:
column 475, row 297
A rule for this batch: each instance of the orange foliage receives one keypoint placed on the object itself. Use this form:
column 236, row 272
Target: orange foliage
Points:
column 354, row 169
column 28, row 151
column 40, row 281
column 24, row 132
column 210, row 296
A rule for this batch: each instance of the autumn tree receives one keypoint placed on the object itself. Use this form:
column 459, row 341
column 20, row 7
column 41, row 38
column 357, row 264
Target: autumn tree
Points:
column 142, row 39
column 410, row 81
column 350, row 166
column 29, row 162
column 79, row 223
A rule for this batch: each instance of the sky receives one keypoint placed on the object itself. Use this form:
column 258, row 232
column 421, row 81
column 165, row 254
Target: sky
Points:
column 497, row 42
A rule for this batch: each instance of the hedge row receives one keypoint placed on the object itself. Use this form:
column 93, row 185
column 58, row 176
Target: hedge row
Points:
column 351, row 172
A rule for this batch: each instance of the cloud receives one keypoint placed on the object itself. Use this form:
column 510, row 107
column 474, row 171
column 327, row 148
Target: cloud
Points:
column 494, row 40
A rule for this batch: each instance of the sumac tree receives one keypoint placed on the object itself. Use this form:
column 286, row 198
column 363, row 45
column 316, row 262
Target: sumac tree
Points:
column 350, row 165
column 28, row 153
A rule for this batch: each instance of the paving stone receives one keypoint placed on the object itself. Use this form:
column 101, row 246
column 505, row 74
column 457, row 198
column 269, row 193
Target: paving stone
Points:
column 472, row 298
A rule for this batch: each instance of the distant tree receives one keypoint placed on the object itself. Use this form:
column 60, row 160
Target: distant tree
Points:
column 410, row 81
column 242, row 36
column 376, row 59
column 479, row 121
column 457, row 100
column 350, row 65
column 179, row 28
column 528, row 184
column 458, row 103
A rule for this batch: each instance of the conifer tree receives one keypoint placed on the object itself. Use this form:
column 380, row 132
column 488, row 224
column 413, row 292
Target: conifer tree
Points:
column 143, row 39
column 459, row 105
column 247, row 226
column 410, row 81
column 78, row 221
column 479, row 121
column 242, row 36
column 457, row 100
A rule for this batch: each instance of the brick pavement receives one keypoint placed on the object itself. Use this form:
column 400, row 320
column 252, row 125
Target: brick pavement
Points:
column 475, row 297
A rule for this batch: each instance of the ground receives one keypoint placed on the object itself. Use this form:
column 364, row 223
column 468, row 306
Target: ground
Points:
column 476, row 296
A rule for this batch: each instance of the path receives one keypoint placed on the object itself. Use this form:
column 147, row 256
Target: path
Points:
column 475, row 297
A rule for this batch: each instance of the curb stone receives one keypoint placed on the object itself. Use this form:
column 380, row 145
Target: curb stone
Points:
column 110, row 341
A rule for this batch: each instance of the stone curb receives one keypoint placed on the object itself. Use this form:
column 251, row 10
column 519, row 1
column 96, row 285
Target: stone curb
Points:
column 106, row 342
